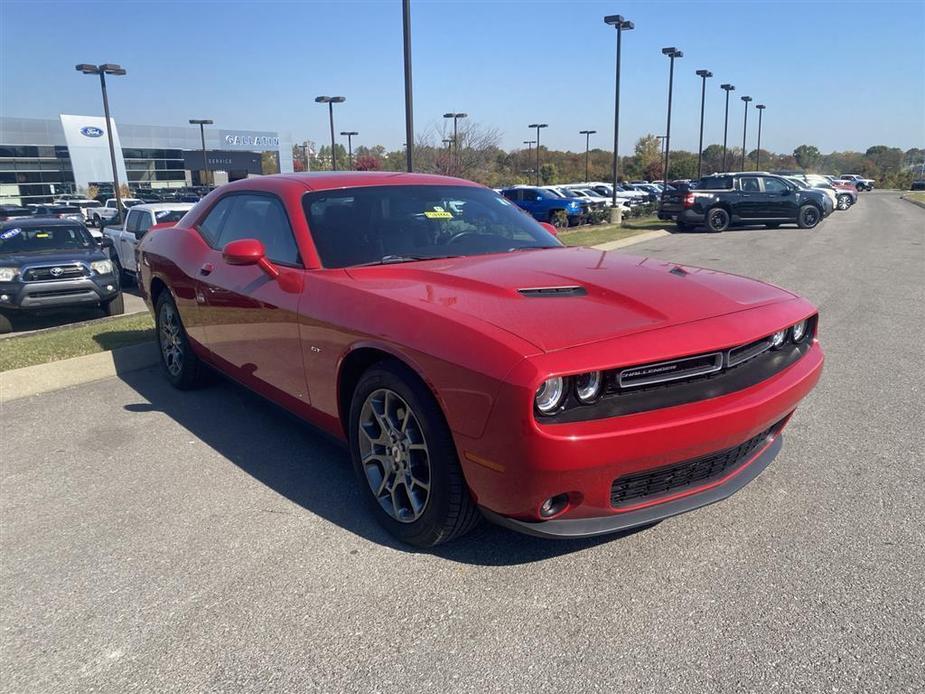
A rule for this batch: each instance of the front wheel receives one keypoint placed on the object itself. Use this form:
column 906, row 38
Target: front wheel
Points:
column 717, row 219
column 844, row 202
column 405, row 459
column 809, row 216
column 181, row 366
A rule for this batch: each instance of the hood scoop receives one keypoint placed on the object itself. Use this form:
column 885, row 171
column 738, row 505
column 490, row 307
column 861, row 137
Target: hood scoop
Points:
column 549, row 292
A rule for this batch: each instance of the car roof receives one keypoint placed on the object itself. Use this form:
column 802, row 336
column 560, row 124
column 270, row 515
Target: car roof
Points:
column 28, row 222
column 159, row 206
column 330, row 180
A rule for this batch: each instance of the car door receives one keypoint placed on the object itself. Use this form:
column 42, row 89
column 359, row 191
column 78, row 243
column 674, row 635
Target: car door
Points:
column 144, row 219
column 126, row 239
column 779, row 199
column 750, row 200
column 529, row 200
column 250, row 319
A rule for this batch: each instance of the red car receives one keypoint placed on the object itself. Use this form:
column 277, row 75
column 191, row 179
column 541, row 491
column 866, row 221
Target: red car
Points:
column 474, row 364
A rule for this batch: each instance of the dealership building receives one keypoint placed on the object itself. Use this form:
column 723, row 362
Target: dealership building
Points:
column 41, row 158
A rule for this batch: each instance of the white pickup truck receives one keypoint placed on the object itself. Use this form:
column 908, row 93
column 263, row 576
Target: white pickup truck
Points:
column 98, row 215
column 139, row 218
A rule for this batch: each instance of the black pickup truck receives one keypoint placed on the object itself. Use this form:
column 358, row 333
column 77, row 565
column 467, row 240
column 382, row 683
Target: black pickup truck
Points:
column 723, row 200
column 53, row 263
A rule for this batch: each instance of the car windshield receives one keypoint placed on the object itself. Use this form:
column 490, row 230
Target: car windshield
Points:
column 35, row 239
column 381, row 224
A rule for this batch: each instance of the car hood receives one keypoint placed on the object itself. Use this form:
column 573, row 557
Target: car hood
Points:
column 51, row 257
column 614, row 295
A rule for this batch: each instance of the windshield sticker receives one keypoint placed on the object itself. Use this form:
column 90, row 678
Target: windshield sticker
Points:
column 43, row 235
column 438, row 213
column 10, row 233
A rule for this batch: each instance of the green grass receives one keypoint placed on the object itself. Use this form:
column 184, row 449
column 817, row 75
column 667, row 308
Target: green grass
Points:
column 76, row 341
column 917, row 196
column 652, row 223
column 594, row 235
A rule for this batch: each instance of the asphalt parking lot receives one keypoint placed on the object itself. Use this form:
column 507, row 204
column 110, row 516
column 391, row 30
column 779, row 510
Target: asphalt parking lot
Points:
column 153, row 541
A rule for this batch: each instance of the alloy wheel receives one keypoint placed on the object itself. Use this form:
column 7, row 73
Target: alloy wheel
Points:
column 394, row 455
column 171, row 339
column 810, row 216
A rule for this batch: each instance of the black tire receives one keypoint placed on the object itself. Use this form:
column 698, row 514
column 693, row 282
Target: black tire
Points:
column 447, row 511
column 558, row 219
column 843, row 201
column 717, row 220
column 184, row 371
column 124, row 278
column 115, row 307
column 6, row 326
column 809, row 216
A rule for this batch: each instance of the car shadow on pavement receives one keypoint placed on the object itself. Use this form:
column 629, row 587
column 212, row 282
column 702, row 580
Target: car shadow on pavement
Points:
column 313, row 470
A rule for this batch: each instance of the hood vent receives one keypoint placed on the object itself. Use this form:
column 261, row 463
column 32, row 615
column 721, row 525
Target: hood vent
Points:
column 540, row 292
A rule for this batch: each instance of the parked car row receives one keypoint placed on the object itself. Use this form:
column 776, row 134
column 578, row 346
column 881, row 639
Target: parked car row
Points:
column 570, row 204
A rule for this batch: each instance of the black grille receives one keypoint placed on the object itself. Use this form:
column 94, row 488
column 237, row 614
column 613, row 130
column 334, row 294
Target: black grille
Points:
column 674, row 478
column 54, row 272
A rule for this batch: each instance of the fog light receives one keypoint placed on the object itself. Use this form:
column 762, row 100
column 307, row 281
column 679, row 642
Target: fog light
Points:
column 4, row 297
column 777, row 339
column 109, row 287
column 554, row 505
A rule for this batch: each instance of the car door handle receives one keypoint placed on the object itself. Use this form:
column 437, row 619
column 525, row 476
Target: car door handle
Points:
column 206, row 269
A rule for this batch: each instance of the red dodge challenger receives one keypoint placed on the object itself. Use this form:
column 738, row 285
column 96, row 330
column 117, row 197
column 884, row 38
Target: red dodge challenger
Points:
column 475, row 365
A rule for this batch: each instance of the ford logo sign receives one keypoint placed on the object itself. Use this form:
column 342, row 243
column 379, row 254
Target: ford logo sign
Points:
column 90, row 131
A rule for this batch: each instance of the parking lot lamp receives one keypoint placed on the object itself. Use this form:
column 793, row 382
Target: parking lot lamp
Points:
column 455, row 117
column 703, row 96
column 538, row 126
column 760, row 108
column 202, row 138
column 529, row 144
column 350, row 134
column 672, row 53
column 409, row 92
column 620, row 24
column 102, row 71
column 745, row 99
column 330, row 101
column 587, row 134
column 727, row 88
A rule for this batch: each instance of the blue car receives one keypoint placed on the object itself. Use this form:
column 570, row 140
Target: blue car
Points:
column 545, row 206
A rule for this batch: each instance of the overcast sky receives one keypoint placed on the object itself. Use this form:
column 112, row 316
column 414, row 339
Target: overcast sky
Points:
column 841, row 75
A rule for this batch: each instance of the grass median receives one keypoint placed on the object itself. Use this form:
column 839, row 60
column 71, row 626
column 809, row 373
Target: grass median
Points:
column 594, row 235
column 75, row 341
column 917, row 196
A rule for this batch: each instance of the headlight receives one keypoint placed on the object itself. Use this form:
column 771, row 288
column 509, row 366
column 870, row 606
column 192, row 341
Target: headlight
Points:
column 102, row 267
column 588, row 386
column 550, row 395
column 799, row 331
column 777, row 339
column 8, row 274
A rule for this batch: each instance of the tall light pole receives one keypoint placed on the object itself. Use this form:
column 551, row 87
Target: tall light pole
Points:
column 587, row 134
column 448, row 141
column 455, row 117
column 761, row 108
column 529, row 144
column 538, row 126
column 672, row 53
column 102, row 71
column 409, row 105
column 703, row 74
column 726, row 88
column 620, row 24
column 330, row 101
column 202, row 137
column 745, row 99
column 350, row 134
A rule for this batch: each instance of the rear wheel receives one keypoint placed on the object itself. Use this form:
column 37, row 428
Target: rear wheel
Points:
column 809, row 216
column 717, row 219
column 405, row 459
column 181, row 366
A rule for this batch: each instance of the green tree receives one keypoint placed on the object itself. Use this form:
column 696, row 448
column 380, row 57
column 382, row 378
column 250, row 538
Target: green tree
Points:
column 807, row 156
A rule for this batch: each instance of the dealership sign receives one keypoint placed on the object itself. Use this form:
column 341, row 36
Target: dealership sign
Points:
column 90, row 131
column 251, row 140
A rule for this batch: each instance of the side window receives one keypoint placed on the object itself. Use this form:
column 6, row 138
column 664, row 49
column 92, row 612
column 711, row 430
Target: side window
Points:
column 509, row 194
column 131, row 221
column 530, row 195
column 211, row 226
column 262, row 217
column 144, row 223
column 749, row 185
column 774, row 185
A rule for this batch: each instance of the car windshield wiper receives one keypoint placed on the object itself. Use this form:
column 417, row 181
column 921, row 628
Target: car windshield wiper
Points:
column 405, row 258
column 529, row 248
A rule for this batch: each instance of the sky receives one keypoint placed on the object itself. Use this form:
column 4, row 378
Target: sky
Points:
column 840, row 75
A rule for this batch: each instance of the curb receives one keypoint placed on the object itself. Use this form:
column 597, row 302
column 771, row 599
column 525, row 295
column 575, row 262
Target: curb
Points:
column 44, row 378
column 638, row 238
column 914, row 202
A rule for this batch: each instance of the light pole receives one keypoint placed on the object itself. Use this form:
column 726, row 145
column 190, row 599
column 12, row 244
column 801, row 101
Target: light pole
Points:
column 672, row 53
column 538, row 126
column 448, row 141
column 350, row 134
column 455, row 117
column 617, row 21
column 726, row 88
column 703, row 96
column 409, row 106
column 102, row 71
column 529, row 144
column 202, row 137
column 745, row 99
column 330, row 101
column 587, row 134
column 760, row 108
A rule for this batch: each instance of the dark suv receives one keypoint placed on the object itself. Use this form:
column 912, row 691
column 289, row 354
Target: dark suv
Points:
column 53, row 263
column 723, row 200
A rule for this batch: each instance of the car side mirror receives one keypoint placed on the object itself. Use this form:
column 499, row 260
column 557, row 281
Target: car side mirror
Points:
column 787, row 191
column 249, row 252
column 106, row 242
column 550, row 228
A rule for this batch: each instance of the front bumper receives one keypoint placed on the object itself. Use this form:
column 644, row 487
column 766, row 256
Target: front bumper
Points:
column 59, row 293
